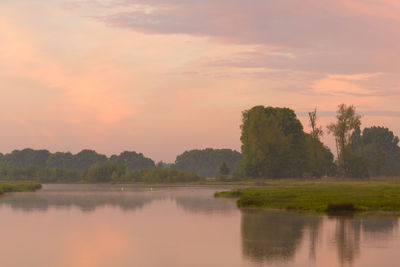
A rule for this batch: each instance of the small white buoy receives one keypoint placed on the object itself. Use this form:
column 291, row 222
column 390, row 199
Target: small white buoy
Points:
column 151, row 188
column 122, row 189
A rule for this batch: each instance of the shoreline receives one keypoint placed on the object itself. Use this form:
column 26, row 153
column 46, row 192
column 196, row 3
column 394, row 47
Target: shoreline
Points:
column 321, row 196
column 8, row 187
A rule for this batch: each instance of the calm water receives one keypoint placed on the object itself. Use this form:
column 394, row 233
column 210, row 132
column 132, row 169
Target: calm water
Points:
column 83, row 225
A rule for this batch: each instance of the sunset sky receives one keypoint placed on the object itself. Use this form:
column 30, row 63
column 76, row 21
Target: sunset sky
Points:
column 164, row 76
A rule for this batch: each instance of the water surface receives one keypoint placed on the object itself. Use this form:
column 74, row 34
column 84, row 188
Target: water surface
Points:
column 101, row 225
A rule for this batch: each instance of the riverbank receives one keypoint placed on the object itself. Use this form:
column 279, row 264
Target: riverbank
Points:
column 320, row 196
column 18, row 187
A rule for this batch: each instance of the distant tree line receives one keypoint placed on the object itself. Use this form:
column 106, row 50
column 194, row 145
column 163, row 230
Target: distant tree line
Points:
column 39, row 174
column 76, row 162
column 118, row 173
column 107, row 172
column 206, row 162
column 274, row 145
column 129, row 166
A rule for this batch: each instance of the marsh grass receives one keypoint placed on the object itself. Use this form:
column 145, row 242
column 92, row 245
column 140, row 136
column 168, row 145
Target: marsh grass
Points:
column 18, row 186
column 321, row 196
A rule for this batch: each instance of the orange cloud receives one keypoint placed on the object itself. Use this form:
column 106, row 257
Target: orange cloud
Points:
column 344, row 85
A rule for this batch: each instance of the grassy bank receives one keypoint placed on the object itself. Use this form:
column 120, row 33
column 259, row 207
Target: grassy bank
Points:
column 321, row 196
column 18, row 187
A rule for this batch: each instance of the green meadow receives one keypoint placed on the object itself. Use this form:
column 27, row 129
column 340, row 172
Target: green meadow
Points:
column 18, row 187
column 320, row 196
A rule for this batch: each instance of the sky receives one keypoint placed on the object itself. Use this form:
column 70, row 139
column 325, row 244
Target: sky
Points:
column 164, row 76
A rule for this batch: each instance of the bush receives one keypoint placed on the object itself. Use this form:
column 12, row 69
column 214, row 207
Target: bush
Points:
column 340, row 207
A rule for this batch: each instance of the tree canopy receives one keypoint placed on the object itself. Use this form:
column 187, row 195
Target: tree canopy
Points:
column 379, row 148
column 274, row 145
column 77, row 162
column 347, row 121
column 133, row 160
column 206, row 162
column 27, row 157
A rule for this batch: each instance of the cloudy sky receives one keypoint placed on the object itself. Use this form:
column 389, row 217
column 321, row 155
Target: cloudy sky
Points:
column 163, row 76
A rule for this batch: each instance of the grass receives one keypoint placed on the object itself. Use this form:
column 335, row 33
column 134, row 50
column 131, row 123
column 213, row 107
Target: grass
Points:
column 321, row 196
column 18, row 187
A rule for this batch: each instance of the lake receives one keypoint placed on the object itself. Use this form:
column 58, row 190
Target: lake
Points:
column 102, row 225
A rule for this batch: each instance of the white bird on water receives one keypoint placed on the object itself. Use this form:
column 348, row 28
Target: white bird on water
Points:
column 122, row 188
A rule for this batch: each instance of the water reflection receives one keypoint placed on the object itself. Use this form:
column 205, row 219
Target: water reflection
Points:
column 347, row 237
column 205, row 204
column 87, row 202
column 105, row 226
column 181, row 225
column 277, row 237
column 377, row 227
column 88, row 198
column 349, row 231
column 274, row 235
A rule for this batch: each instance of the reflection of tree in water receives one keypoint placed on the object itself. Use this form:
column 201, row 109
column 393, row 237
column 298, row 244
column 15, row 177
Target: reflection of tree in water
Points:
column 314, row 229
column 88, row 198
column 375, row 227
column 347, row 237
column 87, row 201
column 275, row 236
column 348, row 234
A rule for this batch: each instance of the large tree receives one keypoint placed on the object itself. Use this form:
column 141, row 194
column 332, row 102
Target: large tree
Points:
column 347, row 121
column 273, row 143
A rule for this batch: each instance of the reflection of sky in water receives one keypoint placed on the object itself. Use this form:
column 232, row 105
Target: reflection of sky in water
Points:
column 91, row 225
